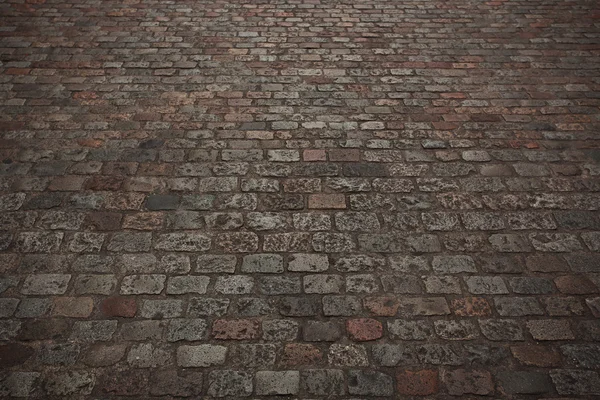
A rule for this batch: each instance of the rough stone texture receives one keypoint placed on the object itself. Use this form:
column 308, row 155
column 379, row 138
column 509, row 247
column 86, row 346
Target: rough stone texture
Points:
column 299, row 199
column 271, row 383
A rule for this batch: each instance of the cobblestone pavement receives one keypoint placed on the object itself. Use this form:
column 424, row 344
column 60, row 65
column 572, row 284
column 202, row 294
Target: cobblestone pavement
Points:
column 349, row 199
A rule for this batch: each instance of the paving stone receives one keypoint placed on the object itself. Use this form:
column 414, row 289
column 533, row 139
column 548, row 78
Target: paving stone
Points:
column 45, row 284
column 187, row 284
column 364, row 329
column 453, row 264
column 531, row 285
column 576, row 382
column 161, row 309
column 341, row 305
column 277, row 285
column 188, row 329
column 146, row 355
column 323, row 284
column 31, row 308
column 301, row 354
column 347, row 355
column 237, row 242
column 538, row 355
column 119, row 307
column 409, row 330
column 271, row 383
column 417, row 382
column 423, row 306
column 165, row 383
column 517, row 306
column 142, row 330
column 143, row 284
column 162, row 202
column 280, row 330
column 130, row 242
column 391, row 355
column 95, row 284
column 228, row 383
column 183, row 242
column 550, row 329
column 308, row 263
column 253, row 355
column 323, row 382
column 59, row 354
column 369, row 383
column 204, row 355
column 501, row 329
column 312, row 221
column 471, row 307
column 262, row 263
column 93, row 331
column 486, row 285
column 105, row 355
column 72, row 307
column 362, row 283
column 582, row 355
column 70, row 383
column 215, row 264
column 456, row 330
column 127, row 383
column 236, row 329
column 460, row 382
column 38, row 242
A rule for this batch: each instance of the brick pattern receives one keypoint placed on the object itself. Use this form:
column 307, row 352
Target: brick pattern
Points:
column 317, row 199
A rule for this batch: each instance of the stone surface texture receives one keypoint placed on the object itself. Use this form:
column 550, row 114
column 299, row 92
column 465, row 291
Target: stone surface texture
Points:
column 307, row 199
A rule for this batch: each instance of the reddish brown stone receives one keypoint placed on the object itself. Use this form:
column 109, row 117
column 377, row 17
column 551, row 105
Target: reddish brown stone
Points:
column 125, row 201
column 471, row 307
column 385, row 306
column 45, row 329
column 301, row 354
column 332, row 201
column 102, row 183
column 89, row 142
column 236, row 329
column 103, row 221
column 417, row 383
column 575, row 284
column 85, row 95
column 314, row 155
column 14, row 354
column 363, row 329
column 130, row 382
column 119, row 307
column 143, row 220
column 73, row 307
column 456, row 95
column 546, row 263
column 536, row 355
column 344, row 155
column 102, row 355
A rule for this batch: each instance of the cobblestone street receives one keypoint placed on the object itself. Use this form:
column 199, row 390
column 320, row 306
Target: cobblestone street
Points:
column 300, row 199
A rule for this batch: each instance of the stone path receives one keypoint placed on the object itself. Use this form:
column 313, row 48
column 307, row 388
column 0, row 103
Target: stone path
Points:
column 349, row 199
